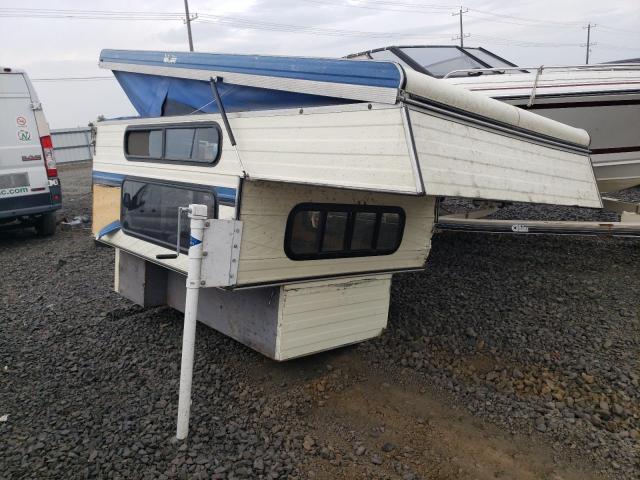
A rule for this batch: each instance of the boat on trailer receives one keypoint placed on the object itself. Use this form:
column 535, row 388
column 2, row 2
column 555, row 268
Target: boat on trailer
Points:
column 307, row 182
column 603, row 99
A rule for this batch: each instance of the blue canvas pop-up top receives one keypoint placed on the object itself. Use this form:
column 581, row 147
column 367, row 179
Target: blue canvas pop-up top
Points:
column 178, row 83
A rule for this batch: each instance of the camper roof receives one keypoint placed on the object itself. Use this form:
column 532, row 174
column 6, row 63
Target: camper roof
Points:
column 177, row 83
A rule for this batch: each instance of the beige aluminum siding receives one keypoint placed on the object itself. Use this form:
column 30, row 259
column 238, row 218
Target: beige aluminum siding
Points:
column 463, row 161
column 264, row 211
column 323, row 315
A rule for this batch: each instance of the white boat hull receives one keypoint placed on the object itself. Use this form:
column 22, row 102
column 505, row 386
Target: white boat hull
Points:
column 607, row 108
column 614, row 127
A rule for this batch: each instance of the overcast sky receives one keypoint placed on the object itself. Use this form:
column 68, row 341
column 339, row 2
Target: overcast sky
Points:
column 67, row 47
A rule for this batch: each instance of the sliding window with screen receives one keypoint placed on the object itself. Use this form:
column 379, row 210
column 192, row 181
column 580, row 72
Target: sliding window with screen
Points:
column 186, row 143
column 322, row 230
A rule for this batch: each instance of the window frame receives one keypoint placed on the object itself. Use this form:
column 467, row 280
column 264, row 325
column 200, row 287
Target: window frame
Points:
column 352, row 210
column 163, row 127
column 166, row 183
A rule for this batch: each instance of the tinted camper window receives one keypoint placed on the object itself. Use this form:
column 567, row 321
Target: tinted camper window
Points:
column 149, row 210
column 316, row 231
column 184, row 143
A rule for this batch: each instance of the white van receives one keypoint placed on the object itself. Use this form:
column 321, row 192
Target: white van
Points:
column 30, row 190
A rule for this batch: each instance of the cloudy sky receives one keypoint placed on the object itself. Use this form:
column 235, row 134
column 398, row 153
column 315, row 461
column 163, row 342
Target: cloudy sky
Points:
column 525, row 32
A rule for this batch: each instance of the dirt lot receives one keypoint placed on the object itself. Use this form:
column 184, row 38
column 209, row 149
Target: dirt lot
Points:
column 509, row 357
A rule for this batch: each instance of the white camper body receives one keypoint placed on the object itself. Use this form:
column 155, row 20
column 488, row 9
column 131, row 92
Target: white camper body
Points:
column 315, row 207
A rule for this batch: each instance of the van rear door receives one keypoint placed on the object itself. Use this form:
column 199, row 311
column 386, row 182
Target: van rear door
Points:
column 22, row 166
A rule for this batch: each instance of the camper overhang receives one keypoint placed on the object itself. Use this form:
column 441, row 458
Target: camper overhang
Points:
column 457, row 143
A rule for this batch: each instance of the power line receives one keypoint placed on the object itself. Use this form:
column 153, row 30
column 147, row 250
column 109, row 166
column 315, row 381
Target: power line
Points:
column 188, row 20
column 386, row 6
column 462, row 35
column 589, row 42
column 231, row 21
column 70, row 79
column 288, row 28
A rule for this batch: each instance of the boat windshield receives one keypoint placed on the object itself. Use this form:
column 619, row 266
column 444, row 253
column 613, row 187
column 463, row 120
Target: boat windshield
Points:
column 439, row 61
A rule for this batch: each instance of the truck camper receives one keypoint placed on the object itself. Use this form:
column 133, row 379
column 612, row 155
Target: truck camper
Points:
column 315, row 180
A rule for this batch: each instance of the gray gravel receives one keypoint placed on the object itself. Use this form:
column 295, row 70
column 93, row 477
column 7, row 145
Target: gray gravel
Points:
column 536, row 335
column 532, row 333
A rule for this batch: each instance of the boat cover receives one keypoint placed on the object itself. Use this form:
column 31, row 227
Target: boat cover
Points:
column 162, row 83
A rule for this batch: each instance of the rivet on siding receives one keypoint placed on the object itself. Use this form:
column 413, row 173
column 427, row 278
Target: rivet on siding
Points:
column 369, row 106
column 206, row 224
column 204, row 254
column 202, row 282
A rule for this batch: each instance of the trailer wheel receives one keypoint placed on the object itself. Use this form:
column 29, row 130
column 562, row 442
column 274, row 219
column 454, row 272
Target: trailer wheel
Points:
column 46, row 224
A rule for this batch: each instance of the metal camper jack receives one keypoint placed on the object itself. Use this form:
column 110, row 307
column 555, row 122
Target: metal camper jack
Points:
column 216, row 270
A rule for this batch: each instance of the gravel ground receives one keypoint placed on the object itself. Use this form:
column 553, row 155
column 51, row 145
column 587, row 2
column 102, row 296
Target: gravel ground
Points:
column 509, row 357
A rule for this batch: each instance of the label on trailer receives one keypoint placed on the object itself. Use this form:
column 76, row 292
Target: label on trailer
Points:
column 24, row 135
column 21, row 121
column 169, row 58
column 519, row 228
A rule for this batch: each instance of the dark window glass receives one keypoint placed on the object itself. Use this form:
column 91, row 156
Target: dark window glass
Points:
column 150, row 211
column 306, row 224
column 145, row 143
column 487, row 58
column 363, row 230
column 388, row 55
column 195, row 144
column 334, row 231
column 389, row 230
column 205, row 145
column 199, row 144
column 316, row 231
column 439, row 61
column 179, row 143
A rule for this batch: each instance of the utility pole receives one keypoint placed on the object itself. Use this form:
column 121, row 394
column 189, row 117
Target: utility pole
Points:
column 462, row 35
column 188, row 22
column 589, row 44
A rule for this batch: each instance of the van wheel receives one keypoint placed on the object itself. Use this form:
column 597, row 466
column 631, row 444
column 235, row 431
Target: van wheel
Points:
column 46, row 224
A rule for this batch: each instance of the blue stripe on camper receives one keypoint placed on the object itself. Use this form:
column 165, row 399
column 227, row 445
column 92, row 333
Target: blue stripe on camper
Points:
column 105, row 178
column 353, row 72
column 112, row 227
column 224, row 195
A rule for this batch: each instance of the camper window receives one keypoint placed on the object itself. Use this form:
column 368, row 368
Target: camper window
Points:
column 317, row 231
column 183, row 143
column 149, row 210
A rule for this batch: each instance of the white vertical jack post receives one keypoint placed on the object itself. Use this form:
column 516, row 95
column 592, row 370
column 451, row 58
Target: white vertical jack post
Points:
column 198, row 216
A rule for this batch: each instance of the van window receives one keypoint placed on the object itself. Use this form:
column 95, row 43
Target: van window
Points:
column 149, row 210
column 317, row 231
column 184, row 143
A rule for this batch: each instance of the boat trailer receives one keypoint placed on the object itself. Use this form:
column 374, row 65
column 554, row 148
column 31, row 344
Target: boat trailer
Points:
column 474, row 221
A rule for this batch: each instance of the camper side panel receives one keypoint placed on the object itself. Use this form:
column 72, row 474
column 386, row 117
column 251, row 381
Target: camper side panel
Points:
column 357, row 147
column 463, row 160
column 265, row 208
column 319, row 316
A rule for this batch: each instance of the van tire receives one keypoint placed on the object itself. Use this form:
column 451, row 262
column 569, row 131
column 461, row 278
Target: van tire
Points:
column 46, row 224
